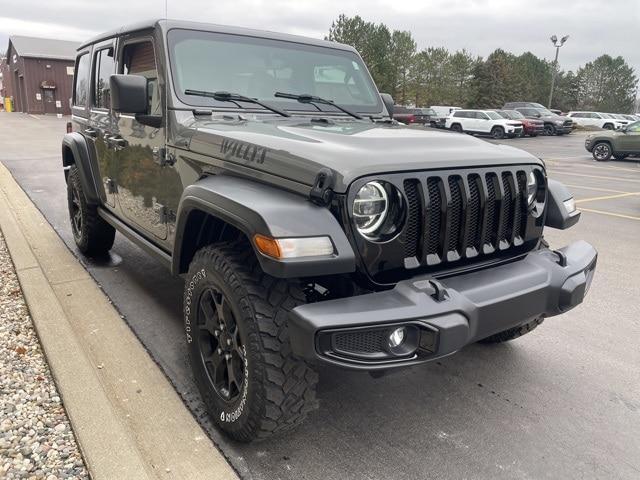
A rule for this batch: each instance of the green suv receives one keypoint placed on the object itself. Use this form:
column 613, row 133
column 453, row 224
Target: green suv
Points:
column 310, row 228
column 619, row 143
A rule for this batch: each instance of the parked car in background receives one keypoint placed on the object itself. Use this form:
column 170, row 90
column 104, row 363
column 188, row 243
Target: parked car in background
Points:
column 595, row 119
column 530, row 126
column 553, row 124
column 631, row 118
column 514, row 105
column 620, row 118
column 410, row 115
column 442, row 112
column 617, row 143
column 485, row 122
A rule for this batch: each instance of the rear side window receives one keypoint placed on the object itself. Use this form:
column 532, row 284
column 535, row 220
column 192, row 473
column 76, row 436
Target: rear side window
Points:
column 460, row 114
column 139, row 59
column 104, row 66
column 81, row 80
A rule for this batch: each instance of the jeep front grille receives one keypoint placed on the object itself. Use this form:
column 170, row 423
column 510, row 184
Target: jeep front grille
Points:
column 457, row 216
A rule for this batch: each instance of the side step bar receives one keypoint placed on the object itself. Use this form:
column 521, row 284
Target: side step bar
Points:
column 141, row 241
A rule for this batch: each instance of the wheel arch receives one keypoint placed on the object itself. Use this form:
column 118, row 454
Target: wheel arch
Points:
column 220, row 207
column 76, row 152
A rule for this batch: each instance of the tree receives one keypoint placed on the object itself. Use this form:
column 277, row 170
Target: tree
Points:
column 607, row 84
column 494, row 81
column 403, row 49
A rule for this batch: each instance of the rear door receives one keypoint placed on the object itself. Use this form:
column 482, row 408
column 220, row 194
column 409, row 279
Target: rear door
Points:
column 101, row 124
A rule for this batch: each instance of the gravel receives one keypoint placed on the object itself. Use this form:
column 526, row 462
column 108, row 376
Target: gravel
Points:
column 36, row 440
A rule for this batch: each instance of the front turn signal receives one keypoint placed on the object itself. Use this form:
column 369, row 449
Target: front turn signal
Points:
column 281, row 248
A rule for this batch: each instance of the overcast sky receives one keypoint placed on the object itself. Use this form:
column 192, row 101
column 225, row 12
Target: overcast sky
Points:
column 480, row 26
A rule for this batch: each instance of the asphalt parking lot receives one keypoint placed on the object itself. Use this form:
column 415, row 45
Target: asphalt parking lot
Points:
column 562, row 402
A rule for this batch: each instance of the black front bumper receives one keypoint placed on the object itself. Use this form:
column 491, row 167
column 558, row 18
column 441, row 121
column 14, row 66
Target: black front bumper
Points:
column 442, row 316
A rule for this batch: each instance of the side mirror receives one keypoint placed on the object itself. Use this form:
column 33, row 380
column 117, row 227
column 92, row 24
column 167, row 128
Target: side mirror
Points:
column 129, row 94
column 388, row 103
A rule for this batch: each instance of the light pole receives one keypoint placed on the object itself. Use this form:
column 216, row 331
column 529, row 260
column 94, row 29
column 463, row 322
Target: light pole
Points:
column 554, row 40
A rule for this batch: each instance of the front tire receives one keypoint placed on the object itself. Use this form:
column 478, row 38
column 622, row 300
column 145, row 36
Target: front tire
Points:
column 497, row 133
column 549, row 129
column 513, row 333
column 92, row 234
column 602, row 151
column 236, row 327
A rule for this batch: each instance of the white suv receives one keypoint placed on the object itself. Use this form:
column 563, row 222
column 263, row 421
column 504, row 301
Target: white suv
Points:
column 596, row 119
column 484, row 122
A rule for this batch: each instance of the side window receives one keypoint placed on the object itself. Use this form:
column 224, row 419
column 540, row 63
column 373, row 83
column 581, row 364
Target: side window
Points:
column 482, row 116
column 139, row 59
column 81, row 80
column 460, row 114
column 104, row 66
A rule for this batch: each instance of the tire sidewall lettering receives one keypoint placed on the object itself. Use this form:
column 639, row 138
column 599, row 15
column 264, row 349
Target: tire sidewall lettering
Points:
column 188, row 301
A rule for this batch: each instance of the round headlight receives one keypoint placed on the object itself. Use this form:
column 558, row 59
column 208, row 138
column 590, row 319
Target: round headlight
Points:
column 532, row 187
column 370, row 207
column 378, row 211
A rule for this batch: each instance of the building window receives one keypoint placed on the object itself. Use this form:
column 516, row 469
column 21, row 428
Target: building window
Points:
column 48, row 95
column 103, row 68
column 81, row 84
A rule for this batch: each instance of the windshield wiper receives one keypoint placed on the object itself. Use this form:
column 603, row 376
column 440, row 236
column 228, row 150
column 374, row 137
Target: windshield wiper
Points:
column 235, row 98
column 306, row 98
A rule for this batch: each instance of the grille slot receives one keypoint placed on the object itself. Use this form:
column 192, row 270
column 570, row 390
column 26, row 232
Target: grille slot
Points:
column 365, row 342
column 435, row 213
column 412, row 230
column 452, row 217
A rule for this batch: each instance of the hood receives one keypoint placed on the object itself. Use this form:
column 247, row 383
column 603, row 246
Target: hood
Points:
column 297, row 148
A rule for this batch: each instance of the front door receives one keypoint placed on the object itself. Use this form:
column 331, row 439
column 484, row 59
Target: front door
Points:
column 630, row 140
column 49, row 99
column 149, row 188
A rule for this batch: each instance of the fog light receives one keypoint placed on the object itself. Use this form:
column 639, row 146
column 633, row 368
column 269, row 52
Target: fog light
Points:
column 397, row 336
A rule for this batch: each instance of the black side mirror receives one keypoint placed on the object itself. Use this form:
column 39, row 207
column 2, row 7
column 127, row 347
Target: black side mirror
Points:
column 129, row 94
column 388, row 103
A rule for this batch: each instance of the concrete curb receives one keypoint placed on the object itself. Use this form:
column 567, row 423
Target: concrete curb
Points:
column 127, row 418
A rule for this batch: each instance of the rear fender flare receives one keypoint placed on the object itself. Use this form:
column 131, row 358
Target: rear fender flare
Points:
column 76, row 152
column 255, row 208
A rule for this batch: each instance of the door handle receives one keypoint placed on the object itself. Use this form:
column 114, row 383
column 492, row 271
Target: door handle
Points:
column 90, row 132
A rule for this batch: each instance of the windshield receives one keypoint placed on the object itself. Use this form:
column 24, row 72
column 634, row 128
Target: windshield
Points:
column 544, row 112
column 514, row 115
column 493, row 115
column 259, row 67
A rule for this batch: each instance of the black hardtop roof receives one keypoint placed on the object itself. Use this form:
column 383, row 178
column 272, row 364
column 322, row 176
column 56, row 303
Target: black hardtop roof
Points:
column 167, row 24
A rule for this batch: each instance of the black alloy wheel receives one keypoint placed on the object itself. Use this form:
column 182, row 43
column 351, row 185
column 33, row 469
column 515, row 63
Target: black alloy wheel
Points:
column 221, row 349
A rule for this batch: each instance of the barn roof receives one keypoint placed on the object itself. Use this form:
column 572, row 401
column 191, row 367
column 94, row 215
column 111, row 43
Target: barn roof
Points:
column 36, row 47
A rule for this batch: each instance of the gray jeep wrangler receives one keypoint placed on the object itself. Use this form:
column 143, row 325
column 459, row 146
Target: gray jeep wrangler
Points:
column 309, row 227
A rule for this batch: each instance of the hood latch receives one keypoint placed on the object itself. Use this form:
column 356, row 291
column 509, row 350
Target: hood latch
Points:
column 321, row 193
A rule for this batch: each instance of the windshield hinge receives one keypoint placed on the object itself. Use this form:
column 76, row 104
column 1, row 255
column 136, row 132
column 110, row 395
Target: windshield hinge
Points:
column 321, row 193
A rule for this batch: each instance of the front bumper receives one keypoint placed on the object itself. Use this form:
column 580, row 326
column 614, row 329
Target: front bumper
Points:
column 445, row 315
column 564, row 128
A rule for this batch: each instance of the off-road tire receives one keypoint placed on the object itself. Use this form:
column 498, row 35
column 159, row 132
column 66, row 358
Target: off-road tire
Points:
column 549, row 129
column 513, row 333
column 497, row 133
column 92, row 234
column 456, row 127
column 602, row 151
column 608, row 126
column 280, row 391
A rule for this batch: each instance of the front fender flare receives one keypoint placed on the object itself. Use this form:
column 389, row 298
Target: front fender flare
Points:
column 255, row 208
